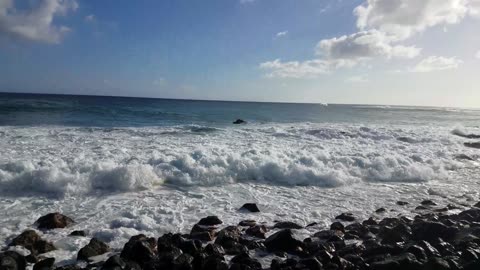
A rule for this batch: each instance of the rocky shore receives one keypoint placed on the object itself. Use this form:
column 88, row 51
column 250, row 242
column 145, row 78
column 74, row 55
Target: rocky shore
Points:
column 438, row 237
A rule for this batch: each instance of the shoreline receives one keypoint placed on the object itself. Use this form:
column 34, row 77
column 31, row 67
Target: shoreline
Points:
column 438, row 237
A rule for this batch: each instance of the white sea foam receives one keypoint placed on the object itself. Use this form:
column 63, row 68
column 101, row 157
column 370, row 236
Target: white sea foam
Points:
column 62, row 161
column 118, row 182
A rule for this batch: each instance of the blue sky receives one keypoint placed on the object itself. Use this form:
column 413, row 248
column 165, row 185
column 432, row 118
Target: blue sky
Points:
column 361, row 51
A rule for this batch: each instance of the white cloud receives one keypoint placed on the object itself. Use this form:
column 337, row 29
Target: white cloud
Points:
column 357, row 79
column 436, row 63
column 403, row 18
column 281, row 34
column 90, row 18
column 305, row 69
column 477, row 55
column 37, row 22
column 364, row 45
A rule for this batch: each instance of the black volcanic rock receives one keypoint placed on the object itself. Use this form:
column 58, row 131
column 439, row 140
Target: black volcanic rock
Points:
column 239, row 121
column 94, row 248
column 210, row 221
column 53, row 221
column 287, row 225
column 30, row 240
column 250, row 207
column 346, row 217
column 283, row 241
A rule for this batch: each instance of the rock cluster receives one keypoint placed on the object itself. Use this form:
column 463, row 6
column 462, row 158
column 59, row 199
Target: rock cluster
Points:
column 431, row 240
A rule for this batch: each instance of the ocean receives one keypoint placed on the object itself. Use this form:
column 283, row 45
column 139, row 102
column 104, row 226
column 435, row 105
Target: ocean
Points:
column 124, row 166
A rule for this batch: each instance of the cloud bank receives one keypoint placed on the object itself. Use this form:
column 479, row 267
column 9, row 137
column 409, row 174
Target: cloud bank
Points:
column 36, row 23
column 383, row 28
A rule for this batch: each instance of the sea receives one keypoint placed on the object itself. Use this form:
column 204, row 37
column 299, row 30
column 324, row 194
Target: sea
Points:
column 124, row 166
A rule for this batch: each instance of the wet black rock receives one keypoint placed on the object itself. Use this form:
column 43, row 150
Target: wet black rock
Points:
column 428, row 203
column 45, row 264
column 94, row 248
column 115, row 262
column 30, row 240
column 380, row 210
column 139, row 249
column 78, row 233
column 337, row 226
column 473, row 145
column 11, row 260
column 250, row 207
column 436, row 263
column 428, row 231
column 247, row 223
column 283, row 241
column 346, row 217
column 210, row 221
column 53, row 221
column 287, row 225
column 244, row 261
column 239, row 121
column 258, row 231
column 402, row 203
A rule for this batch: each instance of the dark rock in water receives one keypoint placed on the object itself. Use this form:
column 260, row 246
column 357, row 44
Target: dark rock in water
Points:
column 287, row 225
column 94, row 248
column 210, row 221
column 213, row 263
column 346, row 217
column 370, row 222
column 337, row 226
column 250, row 207
column 78, row 233
column 247, row 223
column 477, row 205
column 283, row 241
column 139, row 249
column 71, row 267
column 406, row 139
column 239, row 121
column 229, row 239
column 114, row 263
column 473, row 145
column 53, row 221
column 428, row 231
column 463, row 157
column 312, row 224
column 30, row 240
column 402, row 203
column 428, row 203
column 399, row 233
column 429, row 249
column 202, row 236
column 244, row 260
column 45, row 264
column 421, row 208
column 11, row 260
column 464, row 135
column 258, row 231
column 380, row 210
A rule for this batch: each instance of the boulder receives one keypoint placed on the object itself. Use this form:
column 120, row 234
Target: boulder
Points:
column 45, row 264
column 402, row 203
column 258, row 231
column 94, row 248
column 114, row 263
column 244, row 260
column 346, row 217
column 428, row 203
column 78, row 233
column 139, row 249
column 11, row 260
column 473, row 145
column 337, row 226
column 287, row 225
column 283, row 241
column 239, row 121
column 428, row 231
column 53, row 221
column 210, row 221
column 250, row 207
column 30, row 240
column 247, row 223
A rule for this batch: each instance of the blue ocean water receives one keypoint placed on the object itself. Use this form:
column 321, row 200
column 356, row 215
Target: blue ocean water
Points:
column 98, row 111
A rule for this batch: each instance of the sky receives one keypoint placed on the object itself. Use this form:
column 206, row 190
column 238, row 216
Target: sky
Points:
column 399, row 52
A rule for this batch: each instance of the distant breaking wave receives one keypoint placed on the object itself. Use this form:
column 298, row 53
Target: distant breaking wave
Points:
column 70, row 161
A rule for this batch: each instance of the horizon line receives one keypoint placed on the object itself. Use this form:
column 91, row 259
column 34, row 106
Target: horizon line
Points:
column 238, row 101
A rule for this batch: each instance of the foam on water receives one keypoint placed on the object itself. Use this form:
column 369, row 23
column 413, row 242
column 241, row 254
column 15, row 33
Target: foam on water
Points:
column 118, row 182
